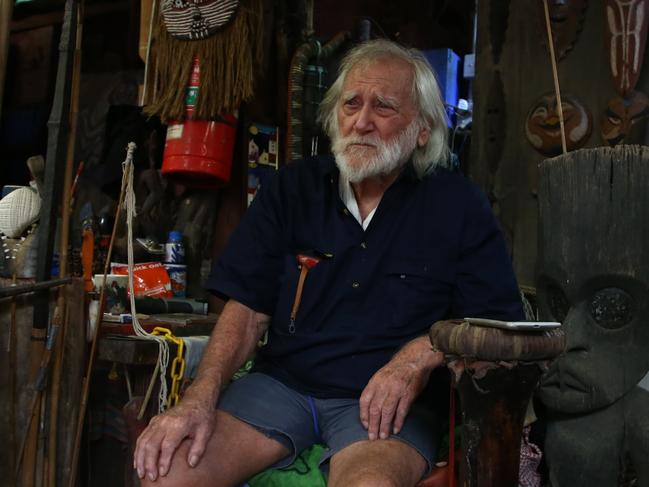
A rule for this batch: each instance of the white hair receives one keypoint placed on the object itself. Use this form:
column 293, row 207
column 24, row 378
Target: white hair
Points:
column 424, row 92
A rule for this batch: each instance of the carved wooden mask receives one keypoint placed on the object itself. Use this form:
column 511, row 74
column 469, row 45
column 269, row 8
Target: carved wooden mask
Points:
column 622, row 116
column 566, row 20
column 594, row 273
column 543, row 129
column 196, row 19
column 626, row 37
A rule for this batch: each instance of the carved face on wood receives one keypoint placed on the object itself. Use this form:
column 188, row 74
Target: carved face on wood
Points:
column 594, row 274
column 626, row 37
column 543, row 129
column 566, row 20
column 622, row 116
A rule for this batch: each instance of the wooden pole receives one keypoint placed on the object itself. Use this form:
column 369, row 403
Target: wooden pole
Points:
column 12, row 389
column 555, row 75
column 93, row 348
column 57, row 138
column 28, row 445
column 65, row 238
column 6, row 10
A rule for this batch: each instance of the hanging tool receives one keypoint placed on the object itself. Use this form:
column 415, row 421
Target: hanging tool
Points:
column 306, row 262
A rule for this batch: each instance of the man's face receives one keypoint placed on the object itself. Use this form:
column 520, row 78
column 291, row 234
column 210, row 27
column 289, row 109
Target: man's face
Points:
column 377, row 120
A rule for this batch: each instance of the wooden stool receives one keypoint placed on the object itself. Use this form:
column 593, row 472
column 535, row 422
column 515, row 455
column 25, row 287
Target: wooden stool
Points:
column 495, row 372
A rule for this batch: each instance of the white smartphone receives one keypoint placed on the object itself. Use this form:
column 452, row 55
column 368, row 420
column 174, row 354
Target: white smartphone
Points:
column 514, row 325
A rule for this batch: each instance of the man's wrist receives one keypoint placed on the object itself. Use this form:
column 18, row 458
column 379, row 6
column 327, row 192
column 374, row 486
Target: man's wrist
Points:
column 419, row 353
column 206, row 391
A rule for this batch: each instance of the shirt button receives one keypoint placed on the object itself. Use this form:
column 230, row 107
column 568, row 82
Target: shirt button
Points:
column 346, row 211
column 363, row 245
column 355, row 284
column 402, row 276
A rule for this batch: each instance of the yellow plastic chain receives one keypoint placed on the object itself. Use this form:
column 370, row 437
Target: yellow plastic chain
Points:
column 177, row 366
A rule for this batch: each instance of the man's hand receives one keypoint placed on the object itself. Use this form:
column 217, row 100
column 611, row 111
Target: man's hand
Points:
column 192, row 419
column 386, row 400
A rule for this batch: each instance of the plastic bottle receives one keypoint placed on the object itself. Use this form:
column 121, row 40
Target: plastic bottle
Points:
column 174, row 263
column 174, row 249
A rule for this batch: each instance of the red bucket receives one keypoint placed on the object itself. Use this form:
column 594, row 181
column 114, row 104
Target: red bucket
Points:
column 199, row 153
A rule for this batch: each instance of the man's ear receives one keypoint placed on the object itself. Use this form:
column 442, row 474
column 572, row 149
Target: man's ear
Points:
column 423, row 136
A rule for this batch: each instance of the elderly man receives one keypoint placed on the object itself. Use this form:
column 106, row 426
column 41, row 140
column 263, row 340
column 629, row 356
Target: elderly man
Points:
column 345, row 264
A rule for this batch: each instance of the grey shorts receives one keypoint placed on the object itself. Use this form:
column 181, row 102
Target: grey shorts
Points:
column 299, row 421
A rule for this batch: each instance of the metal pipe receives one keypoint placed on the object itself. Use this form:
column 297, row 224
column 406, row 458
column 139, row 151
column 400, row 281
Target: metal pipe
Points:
column 295, row 94
column 308, row 50
column 6, row 292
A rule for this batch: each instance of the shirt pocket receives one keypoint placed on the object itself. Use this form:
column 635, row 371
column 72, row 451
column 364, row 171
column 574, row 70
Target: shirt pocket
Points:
column 417, row 293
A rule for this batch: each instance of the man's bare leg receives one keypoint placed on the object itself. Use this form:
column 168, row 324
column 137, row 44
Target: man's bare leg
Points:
column 235, row 452
column 378, row 463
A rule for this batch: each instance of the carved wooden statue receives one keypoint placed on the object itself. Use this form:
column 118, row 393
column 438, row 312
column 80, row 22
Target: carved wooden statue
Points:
column 594, row 277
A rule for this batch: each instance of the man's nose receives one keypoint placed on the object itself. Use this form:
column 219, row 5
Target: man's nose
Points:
column 364, row 122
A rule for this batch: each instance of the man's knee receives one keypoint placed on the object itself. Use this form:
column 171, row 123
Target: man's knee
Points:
column 384, row 463
column 368, row 478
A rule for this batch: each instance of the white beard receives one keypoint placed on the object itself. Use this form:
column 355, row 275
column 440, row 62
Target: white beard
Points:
column 359, row 162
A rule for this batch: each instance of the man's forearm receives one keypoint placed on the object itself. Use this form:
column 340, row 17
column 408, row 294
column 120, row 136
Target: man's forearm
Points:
column 420, row 354
column 234, row 338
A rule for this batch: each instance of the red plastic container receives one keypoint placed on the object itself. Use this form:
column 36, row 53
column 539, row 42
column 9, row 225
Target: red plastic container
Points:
column 199, row 152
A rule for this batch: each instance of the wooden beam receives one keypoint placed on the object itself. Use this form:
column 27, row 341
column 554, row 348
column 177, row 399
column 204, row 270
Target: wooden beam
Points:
column 6, row 7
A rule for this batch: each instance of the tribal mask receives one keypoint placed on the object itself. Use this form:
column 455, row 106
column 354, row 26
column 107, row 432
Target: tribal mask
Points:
column 566, row 20
column 622, row 117
column 196, row 19
column 626, row 37
column 543, row 129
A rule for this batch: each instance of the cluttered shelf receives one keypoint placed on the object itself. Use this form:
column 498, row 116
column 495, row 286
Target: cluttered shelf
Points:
column 118, row 342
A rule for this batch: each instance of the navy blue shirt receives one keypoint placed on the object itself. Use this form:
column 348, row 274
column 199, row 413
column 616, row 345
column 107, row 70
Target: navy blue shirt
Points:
column 432, row 251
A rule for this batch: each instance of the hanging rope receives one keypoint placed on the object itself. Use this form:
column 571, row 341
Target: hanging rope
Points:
column 163, row 346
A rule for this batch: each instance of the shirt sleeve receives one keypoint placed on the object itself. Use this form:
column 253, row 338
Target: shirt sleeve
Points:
column 486, row 286
column 250, row 267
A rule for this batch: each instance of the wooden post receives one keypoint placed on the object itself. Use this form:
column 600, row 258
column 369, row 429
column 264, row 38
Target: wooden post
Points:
column 6, row 10
column 493, row 411
column 495, row 372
